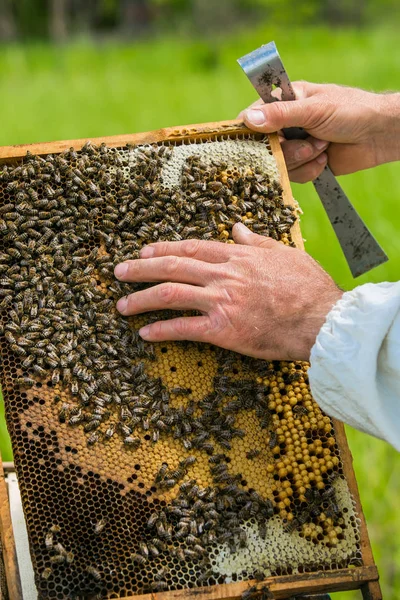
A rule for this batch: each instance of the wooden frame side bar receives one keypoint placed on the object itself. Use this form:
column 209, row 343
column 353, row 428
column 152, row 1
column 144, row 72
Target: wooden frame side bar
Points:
column 8, row 543
column 340, row 434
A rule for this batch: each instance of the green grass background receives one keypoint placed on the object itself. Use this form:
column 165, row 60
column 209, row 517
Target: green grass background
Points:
column 87, row 89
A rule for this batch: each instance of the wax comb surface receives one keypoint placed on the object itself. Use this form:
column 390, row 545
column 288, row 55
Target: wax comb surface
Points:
column 152, row 467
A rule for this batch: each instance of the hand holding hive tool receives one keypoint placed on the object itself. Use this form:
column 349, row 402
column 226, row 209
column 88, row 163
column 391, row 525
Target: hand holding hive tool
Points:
column 265, row 70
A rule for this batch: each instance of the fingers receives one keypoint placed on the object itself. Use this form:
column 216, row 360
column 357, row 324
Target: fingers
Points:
column 166, row 296
column 306, row 89
column 212, row 252
column 278, row 115
column 194, row 329
column 242, row 235
column 302, row 90
column 167, row 268
column 310, row 170
column 299, row 152
column 258, row 102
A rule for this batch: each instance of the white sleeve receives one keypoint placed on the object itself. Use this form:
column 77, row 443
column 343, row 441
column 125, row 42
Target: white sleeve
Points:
column 355, row 361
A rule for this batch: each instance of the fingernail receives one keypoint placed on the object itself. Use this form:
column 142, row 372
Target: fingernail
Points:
column 322, row 158
column 121, row 270
column 144, row 331
column 147, row 252
column 254, row 116
column 122, row 304
column 320, row 144
column 305, row 151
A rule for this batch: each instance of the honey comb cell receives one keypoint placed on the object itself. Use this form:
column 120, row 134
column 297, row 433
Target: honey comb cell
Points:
column 143, row 467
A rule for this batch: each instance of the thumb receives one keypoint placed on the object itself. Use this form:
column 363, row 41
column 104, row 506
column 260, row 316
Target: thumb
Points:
column 242, row 235
column 278, row 115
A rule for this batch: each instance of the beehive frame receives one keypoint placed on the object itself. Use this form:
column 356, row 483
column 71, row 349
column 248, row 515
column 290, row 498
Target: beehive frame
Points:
column 364, row 577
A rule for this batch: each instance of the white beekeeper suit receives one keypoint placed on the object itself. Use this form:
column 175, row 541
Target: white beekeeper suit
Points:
column 355, row 361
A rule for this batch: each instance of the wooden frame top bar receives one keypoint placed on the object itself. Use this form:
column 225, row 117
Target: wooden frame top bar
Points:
column 167, row 135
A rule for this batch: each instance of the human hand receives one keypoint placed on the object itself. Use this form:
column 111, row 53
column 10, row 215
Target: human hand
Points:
column 257, row 297
column 350, row 128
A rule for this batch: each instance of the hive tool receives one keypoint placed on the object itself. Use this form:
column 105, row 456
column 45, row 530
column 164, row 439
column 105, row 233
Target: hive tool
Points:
column 266, row 72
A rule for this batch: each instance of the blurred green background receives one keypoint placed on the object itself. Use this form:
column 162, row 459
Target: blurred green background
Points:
column 72, row 69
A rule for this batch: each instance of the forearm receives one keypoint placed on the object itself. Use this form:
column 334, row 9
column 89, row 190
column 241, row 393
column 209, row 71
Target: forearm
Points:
column 355, row 362
column 388, row 133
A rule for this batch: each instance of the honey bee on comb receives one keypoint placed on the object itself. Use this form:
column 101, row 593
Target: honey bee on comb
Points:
column 152, row 447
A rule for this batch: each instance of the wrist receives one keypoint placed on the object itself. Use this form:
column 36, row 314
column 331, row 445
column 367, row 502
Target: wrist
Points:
column 387, row 129
column 311, row 325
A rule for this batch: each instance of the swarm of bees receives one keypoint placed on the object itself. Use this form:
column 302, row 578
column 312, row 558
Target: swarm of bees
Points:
column 68, row 221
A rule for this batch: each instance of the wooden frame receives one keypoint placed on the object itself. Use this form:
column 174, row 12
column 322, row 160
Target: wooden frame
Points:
column 364, row 578
column 8, row 542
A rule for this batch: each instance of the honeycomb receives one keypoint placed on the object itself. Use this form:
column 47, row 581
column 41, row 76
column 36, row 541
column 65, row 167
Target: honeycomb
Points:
column 146, row 467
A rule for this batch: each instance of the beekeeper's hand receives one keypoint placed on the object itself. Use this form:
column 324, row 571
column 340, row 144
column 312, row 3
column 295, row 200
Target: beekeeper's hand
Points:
column 257, row 297
column 349, row 128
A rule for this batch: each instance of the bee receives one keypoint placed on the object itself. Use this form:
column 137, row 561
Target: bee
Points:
column 18, row 350
column 93, row 572
column 125, row 413
column 181, row 390
column 39, row 370
column 187, row 444
column 300, row 410
column 49, row 540
column 92, row 424
column 314, row 511
column 168, row 483
column 180, row 554
column 273, row 440
column 10, row 338
column 93, row 187
column 159, row 544
column 93, row 438
column 152, row 520
column 187, row 485
column 59, row 548
column 110, row 431
column 217, row 458
column 26, row 382
column 138, row 558
column 207, row 447
column 154, row 551
column 125, row 429
column 13, row 185
column 57, row 559
column 158, row 586
column 249, row 593
column 161, row 573
column 133, row 442
column 161, row 531
column 63, row 412
column 329, row 492
column 45, row 574
column 190, row 553
column 99, row 526
column 333, row 510
column 161, row 472
column 55, row 378
column 252, row 454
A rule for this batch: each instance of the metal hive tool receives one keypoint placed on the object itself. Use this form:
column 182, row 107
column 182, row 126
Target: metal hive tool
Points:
column 223, row 466
column 266, row 72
